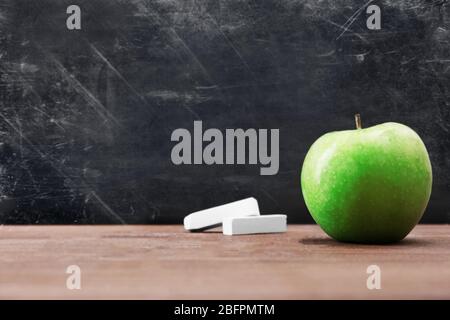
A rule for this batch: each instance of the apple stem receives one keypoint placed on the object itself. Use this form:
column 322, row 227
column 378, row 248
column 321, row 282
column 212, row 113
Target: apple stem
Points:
column 358, row 121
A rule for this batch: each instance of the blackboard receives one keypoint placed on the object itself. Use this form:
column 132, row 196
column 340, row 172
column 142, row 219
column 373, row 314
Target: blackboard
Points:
column 86, row 115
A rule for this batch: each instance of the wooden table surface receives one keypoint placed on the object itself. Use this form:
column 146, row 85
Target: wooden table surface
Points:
column 165, row 262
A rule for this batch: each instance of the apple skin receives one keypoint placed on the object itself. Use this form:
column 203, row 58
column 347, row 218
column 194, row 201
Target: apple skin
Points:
column 367, row 185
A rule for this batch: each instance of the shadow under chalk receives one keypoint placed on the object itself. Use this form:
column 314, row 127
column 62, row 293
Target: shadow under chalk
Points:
column 208, row 231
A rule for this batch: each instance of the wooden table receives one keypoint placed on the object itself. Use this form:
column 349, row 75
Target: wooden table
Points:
column 165, row 262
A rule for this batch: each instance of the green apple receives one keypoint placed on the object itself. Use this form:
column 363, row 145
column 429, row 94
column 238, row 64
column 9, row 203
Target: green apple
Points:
column 367, row 185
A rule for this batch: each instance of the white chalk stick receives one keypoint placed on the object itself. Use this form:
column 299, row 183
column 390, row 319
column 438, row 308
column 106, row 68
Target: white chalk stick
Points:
column 213, row 217
column 270, row 223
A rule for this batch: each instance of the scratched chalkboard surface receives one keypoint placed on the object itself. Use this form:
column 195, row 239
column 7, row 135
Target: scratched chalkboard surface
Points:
column 86, row 115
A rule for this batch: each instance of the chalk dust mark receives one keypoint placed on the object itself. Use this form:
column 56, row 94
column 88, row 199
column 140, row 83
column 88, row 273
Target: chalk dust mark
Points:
column 267, row 194
column 107, row 208
column 116, row 72
column 92, row 100
column 232, row 46
column 51, row 161
column 175, row 35
column 352, row 19
column 348, row 31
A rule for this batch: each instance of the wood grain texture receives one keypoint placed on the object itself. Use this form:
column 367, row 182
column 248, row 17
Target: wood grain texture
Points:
column 165, row 262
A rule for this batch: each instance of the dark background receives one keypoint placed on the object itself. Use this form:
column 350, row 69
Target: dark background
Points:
column 86, row 116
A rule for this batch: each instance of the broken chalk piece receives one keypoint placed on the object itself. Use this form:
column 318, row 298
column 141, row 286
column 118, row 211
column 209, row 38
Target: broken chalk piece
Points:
column 213, row 217
column 270, row 223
